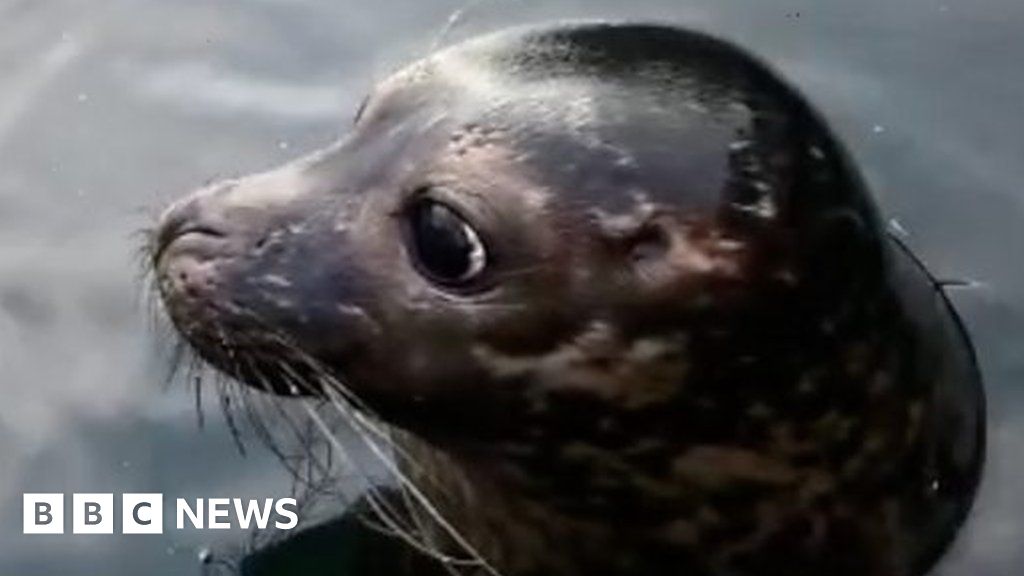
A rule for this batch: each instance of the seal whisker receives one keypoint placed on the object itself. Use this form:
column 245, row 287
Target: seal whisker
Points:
column 257, row 424
column 197, row 386
column 225, row 395
column 389, row 514
column 336, row 394
column 421, row 500
column 455, row 19
column 348, row 405
column 303, row 438
column 255, row 415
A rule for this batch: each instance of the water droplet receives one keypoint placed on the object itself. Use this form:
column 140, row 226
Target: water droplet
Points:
column 878, row 129
column 204, row 556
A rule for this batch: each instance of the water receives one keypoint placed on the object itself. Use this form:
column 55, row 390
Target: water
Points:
column 109, row 108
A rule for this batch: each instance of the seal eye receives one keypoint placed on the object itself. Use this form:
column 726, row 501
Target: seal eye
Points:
column 444, row 244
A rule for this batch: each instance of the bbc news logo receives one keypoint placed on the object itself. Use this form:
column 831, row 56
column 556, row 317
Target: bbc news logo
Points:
column 144, row 513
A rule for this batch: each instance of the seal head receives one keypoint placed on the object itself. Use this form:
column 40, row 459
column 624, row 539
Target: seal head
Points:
column 626, row 285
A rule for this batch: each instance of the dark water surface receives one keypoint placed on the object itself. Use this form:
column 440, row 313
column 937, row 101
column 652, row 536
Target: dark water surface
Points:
column 108, row 108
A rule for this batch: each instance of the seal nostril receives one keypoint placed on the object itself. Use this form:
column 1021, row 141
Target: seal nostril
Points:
column 202, row 231
column 174, row 230
column 185, row 218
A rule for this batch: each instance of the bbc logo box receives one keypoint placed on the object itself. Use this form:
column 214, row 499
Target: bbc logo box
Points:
column 142, row 514
column 93, row 513
column 43, row 514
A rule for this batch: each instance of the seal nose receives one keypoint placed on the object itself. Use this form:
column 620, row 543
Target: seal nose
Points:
column 227, row 214
column 182, row 220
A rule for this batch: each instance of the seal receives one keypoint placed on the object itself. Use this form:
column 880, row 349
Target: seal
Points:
column 624, row 298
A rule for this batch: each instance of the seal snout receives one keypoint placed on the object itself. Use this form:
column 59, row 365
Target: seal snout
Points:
column 189, row 245
column 183, row 223
column 250, row 267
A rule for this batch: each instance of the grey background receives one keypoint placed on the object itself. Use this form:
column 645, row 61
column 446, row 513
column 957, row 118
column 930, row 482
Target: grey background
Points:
column 108, row 108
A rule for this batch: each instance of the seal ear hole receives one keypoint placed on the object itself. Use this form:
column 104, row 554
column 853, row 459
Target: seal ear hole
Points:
column 651, row 242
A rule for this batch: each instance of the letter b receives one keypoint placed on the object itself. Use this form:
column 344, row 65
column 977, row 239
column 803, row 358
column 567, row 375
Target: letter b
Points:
column 43, row 514
column 93, row 514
